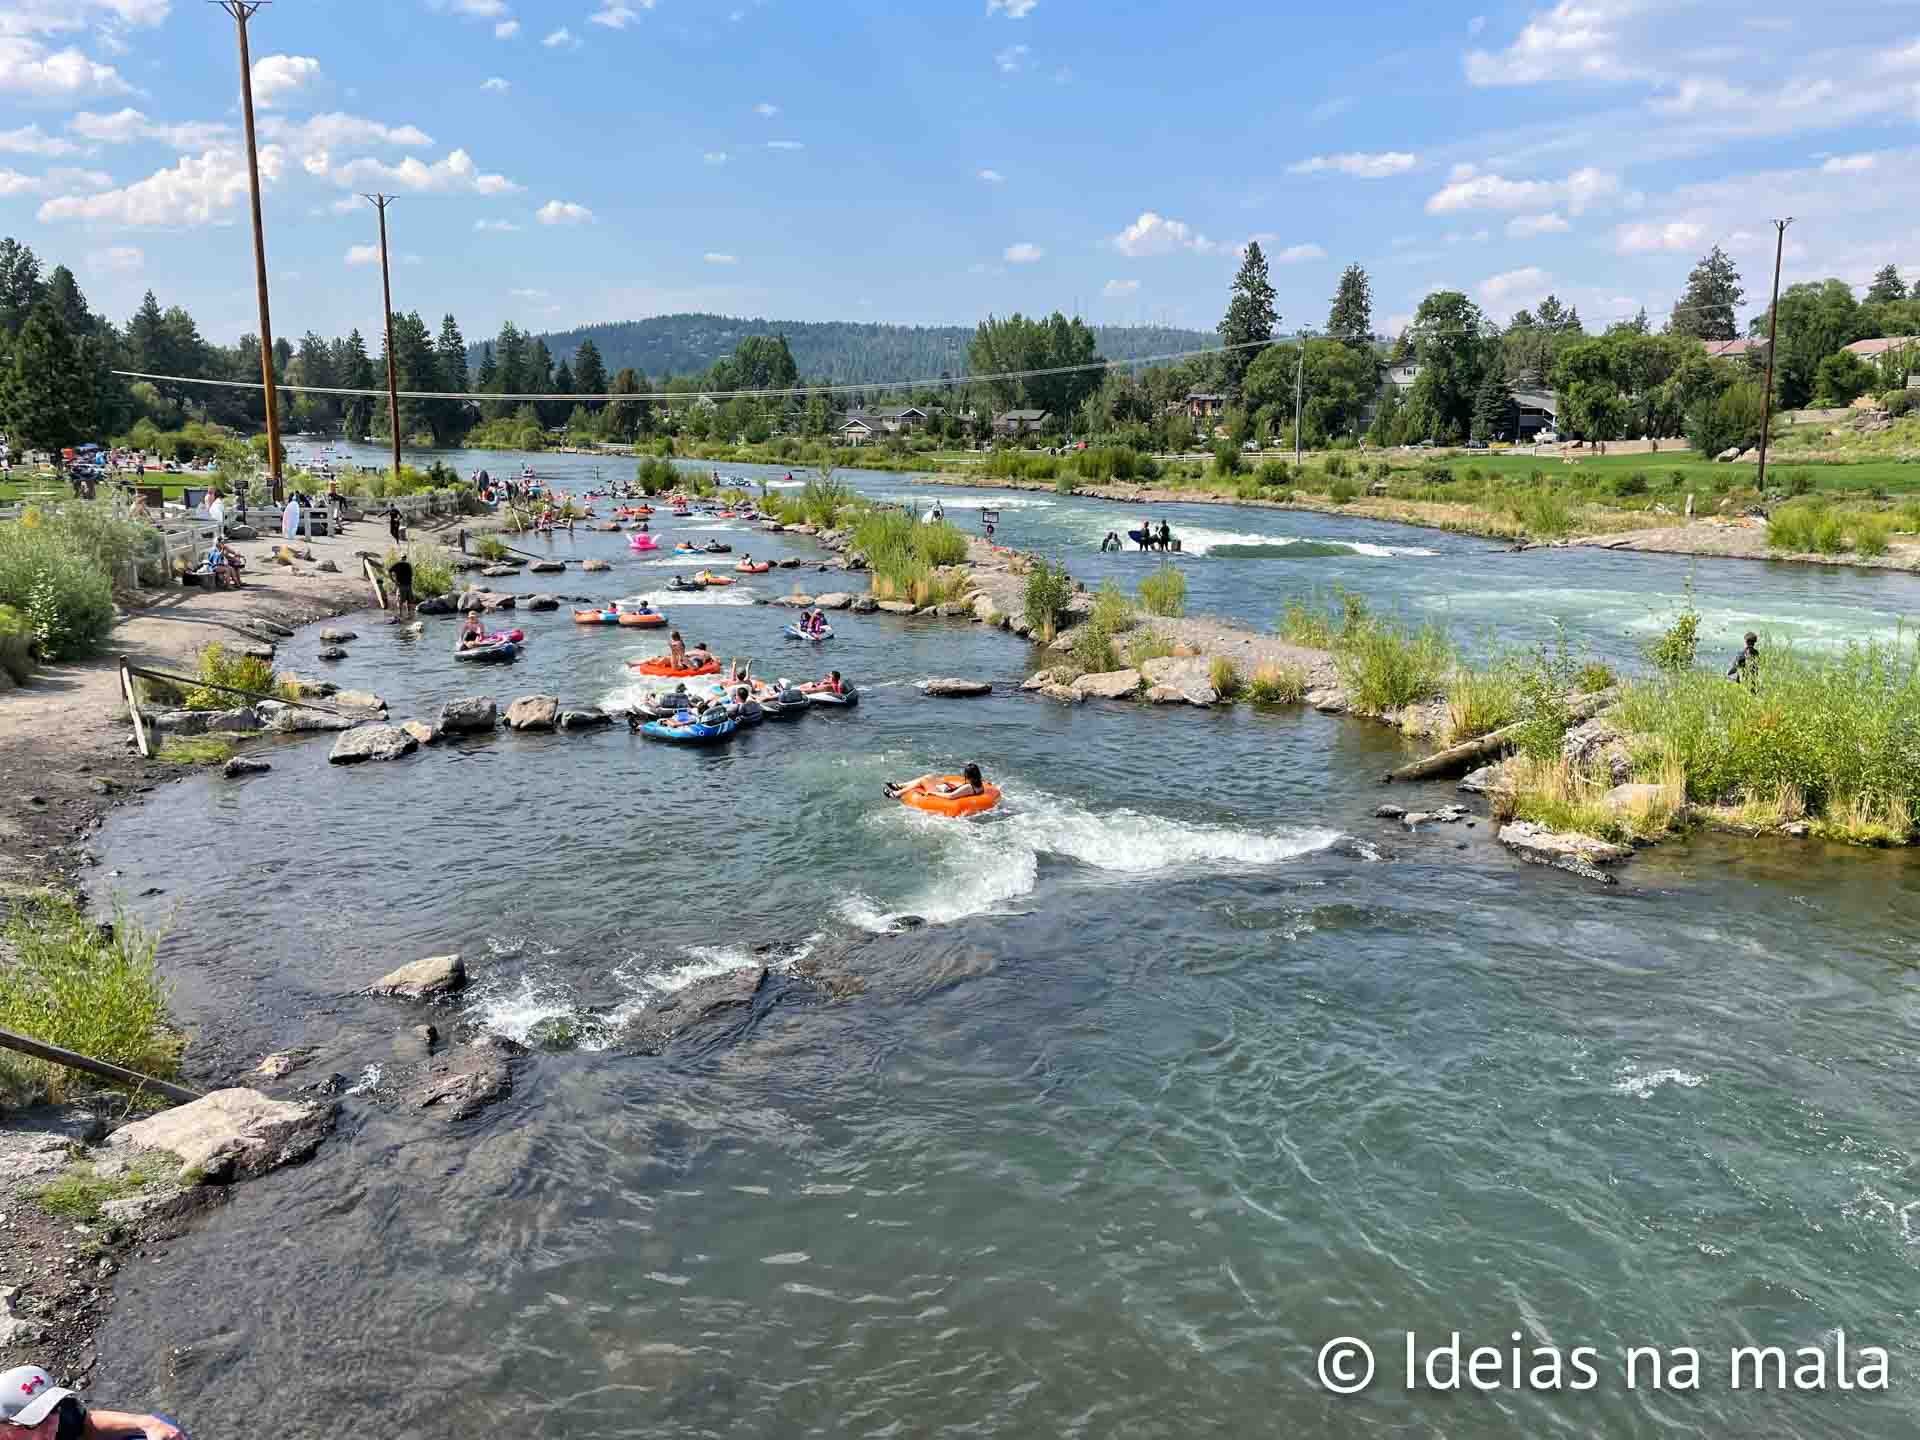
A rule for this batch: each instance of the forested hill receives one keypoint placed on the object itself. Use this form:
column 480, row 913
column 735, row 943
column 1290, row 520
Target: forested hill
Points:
column 845, row 351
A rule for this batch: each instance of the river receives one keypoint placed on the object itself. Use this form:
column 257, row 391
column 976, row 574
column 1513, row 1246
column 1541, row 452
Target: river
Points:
column 1195, row 1067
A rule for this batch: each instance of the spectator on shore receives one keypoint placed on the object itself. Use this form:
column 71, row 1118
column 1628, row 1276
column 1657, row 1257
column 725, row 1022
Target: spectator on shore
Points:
column 1746, row 663
column 32, row 1407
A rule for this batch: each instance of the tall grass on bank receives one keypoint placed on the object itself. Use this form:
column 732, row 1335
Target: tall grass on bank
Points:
column 1388, row 663
column 822, row 502
column 1549, row 791
column 53, row 576
column 1277, row 684
column 1814, row 527
column 1482, row 699
column 1839, row 731
column 70, row 985
column 1320, row 625
column 221, row 666
column 904, row 556
column 1164, row 591
column 432, row 567
column 1049, row 591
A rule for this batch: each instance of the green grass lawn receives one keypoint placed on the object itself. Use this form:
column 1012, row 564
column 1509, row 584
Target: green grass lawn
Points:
column 1695, row 473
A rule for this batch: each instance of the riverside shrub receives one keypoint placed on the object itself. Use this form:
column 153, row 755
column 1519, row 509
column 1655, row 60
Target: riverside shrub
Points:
column 16, row 645
column 1164, row 591
column 1049, row 590
column 221, row 666
column 64, row 593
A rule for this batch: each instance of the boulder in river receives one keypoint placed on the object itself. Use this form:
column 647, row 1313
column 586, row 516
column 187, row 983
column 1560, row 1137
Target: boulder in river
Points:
column 427, row 732
column 372, row 742
column 494, row 572
column 332, row 652
column 952, row 687
column 243, row 765
column 285, row 719
column 337, row 637
column 792, row 562
column 534, row 712
column 1485, row 780
column 206, row 722
column 589, row 719
column 1110, row 685
column 833, row 600
column 1065, row 694
column 796, row 601
column 546, row 567
column 358, row 700
column 726, row 998
column 595, row 565
column 897, row 607
column 426, row 979
column 229, row 1135
column 435, row 605
column 475, row 715
column 864, row 605
column 1577, row 854
column 1187, row 674
column 1039, row 680
column 483, row 600
column 544, row 602
column 307, row 689
column 467, row 1079
column 1163, row 695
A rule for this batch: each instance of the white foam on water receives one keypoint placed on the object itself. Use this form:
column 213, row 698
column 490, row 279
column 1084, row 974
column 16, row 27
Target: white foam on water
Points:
column 981, row 865
column 975, row 502
column 513, row 1012
column 1642, row 1086
column 667, row 599
column 369, row 1078
column 1199, row 540
column 786, row 484
column 1362, row 547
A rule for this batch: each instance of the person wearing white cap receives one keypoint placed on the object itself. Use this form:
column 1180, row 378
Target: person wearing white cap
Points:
column 31, row 1405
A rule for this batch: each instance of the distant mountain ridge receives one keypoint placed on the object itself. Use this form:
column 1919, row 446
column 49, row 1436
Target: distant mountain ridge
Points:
column 843, row 351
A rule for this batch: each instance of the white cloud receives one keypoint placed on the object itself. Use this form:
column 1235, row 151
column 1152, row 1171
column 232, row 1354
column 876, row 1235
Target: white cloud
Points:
column 618, row 17
column 1360, row 165
column 32, row 140
column 455, row 175
column 28, row 68
column 1526, row 227
column 335, row 129
column 714, row 257
column 1848, row 164
column 497, row 225
column 528, row 294
column 1023, row 253
column 279, row 78
column 121, row 259
column 1576, row 39
column 563, row 36
column 766, row 110
column 1644, row 237
column 123, row 127
column 1469, row 189
column 506, row 30
column 1115, row 289
column 345, row 205
column 1012, row 9
column 992, row 177
column 1011, row 60
column 479, row 9
column 496, row 84
column 363, row 255
column 196, row 191
column 1154, row 234
column 715, row 157
column 1297, row 254
column 1498, row 289
column 45, row 17
column 563, row 212
column 785, row 145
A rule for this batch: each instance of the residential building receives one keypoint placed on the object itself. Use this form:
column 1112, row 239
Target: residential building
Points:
column 1018, row 422
column 1401, row 375
column 1735, row 349
column 1883, row 345
column 862, row 429
column 1538, row 410
column 1205, row 408
column 907, row 418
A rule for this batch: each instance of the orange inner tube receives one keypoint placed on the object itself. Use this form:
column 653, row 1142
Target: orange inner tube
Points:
column 707, row 577
column 652, row 617
column 952, row 804
column 660, row 665
column 758, row 567
column 589, row 617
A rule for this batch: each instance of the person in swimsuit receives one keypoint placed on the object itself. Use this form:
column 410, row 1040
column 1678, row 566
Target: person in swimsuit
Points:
column 971, row 784
column 677, row 651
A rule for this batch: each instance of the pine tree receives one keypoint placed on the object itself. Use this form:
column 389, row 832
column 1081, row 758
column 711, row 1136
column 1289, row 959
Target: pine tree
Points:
column 1887, row 286
column 1351, row 318
column 1492, row 406
column 589, row 372
column 20, row 286
column 1250, row 316
column 1706, row 310
column 489, row 375
column 46, row 393
column 452, row 417
column 356, row 373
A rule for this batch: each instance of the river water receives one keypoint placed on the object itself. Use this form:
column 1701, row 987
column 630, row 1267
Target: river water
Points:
column 1195, row 1066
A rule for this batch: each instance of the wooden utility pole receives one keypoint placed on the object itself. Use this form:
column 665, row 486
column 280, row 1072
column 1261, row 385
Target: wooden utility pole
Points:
column 380, row 203
column 1299, row 380
column 242, row 10
column 1773, row 337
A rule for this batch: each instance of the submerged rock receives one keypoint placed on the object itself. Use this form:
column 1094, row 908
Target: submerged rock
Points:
column 595, row 565
column 534, row 712
column 591, row 719
column 467, row 1079
column 722, row 997
column 240, row 765
column 337, row 637
column 544, row 602
column 331, row 652
column 951, row 687
column 864, row 605
column 230, row 1134
column 546, row 567
column 1580, row 855
column 423, row 979
column 372, row 742
column 284, row 719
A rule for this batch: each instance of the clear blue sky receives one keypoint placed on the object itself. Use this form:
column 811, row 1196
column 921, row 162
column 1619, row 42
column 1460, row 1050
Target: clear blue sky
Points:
column 929, row 162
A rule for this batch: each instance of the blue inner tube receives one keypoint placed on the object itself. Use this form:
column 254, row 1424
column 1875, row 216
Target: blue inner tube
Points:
column 481, row 654
column 695, row 734
column 847, row 698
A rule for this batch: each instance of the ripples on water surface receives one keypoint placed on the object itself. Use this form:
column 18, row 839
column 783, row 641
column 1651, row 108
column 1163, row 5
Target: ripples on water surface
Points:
column 1195, row 1067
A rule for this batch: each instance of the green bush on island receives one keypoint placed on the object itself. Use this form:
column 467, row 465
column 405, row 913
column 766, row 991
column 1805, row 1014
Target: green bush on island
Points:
column 1386, row 663
column 1148, row 645
column 491, row 548
column 1482, row 699
column 1164, row 591
column 78, row 985
column 221, row 666
column 1049, row 591
column 656, row 475
column 1278, row 683
column 1225, row 678
column 432, row 567
column 904, row 555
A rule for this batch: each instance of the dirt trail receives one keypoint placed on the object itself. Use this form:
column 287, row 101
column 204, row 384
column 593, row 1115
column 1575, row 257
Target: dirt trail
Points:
column 65, row 758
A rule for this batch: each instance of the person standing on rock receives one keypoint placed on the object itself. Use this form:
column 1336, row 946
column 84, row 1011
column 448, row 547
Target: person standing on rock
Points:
column 31, row 1405
column 1746, row 664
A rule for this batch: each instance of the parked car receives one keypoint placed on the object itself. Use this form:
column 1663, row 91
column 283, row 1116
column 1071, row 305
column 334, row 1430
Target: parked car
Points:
column 1252, row 447
column 1476, row 444
column 1545, row 437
